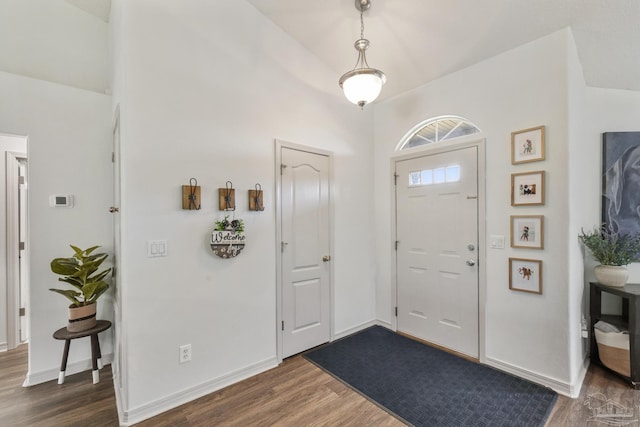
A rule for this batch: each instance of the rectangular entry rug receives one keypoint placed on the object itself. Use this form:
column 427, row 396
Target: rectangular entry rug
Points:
column 425, row 386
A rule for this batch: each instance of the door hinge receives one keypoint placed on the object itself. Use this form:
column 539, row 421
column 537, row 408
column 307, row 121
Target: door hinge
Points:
column 282, row 168
column 21, row 246
column 396, row 311
column 282, row 245
column 113, row 157
column 395, row 178
column 397, row 241
column 23, row 312
column 21, row 180
column 283, row 325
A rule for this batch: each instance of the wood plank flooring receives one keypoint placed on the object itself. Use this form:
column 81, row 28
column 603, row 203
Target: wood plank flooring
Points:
column 296, row 393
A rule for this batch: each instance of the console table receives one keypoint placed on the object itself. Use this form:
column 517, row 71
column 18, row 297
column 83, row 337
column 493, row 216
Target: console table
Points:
column 96, row 355
column 629, row 319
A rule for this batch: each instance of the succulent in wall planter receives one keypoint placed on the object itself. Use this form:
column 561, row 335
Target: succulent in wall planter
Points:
column 614, row 252
column 227, row 238
column 81, row 272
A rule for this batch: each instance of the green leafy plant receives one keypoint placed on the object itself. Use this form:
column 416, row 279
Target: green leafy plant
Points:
column 236, row 225
column 81, row 272
column 611, row 248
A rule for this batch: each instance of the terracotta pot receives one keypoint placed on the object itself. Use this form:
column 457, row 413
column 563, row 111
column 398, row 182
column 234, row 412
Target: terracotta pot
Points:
column 612, row 275
column 82, row 318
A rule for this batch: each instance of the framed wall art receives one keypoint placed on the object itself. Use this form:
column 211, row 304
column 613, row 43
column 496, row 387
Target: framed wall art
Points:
column 525, row 275
column 527, row 188
column 527, row 145
column 527, row 231
column 621, row 181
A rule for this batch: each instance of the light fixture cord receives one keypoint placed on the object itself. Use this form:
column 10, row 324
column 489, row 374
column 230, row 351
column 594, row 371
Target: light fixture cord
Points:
column 361, row 24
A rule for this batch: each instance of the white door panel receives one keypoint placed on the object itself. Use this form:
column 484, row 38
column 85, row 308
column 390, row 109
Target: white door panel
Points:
column 437, row 220
column 305, row 240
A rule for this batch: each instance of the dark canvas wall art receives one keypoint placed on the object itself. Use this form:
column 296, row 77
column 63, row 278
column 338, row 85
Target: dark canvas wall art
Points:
column 621, row 181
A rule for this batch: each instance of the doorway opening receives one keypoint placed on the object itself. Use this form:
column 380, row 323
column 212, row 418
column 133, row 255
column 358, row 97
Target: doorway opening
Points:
column 439, row 215
column 15, row 283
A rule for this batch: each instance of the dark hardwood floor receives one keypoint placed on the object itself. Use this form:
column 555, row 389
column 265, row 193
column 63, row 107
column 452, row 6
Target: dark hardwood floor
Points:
column 297, row 393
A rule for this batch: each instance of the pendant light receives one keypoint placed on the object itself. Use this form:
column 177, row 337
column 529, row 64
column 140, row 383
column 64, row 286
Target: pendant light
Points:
column 363, row 84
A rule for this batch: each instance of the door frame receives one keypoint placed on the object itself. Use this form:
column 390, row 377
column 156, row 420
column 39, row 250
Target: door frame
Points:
column 427, row 150
column 12, row 242
column 278, row 146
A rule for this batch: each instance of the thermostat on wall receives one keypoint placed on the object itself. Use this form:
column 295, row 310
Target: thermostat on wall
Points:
column 58, row 201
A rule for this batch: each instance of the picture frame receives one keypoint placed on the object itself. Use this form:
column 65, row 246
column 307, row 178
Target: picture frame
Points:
column 527, row 145
column 620, row 181
column 527, row 231
column 527, row 188
column 525, row 275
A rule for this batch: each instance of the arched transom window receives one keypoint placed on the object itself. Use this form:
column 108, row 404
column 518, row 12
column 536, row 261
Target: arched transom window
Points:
column 438, row 129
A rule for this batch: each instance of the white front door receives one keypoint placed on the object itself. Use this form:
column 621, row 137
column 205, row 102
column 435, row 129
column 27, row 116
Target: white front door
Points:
column 437, row 255
column 305, row 263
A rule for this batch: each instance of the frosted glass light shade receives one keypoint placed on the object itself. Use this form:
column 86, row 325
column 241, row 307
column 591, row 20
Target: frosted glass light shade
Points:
column 363, row 85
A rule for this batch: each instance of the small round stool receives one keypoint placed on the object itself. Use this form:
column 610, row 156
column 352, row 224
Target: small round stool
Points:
column 64, row 334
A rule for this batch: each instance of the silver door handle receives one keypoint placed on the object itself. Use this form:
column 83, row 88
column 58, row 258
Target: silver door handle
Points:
column 471, row 262
column 326, row 258
column 113, row 209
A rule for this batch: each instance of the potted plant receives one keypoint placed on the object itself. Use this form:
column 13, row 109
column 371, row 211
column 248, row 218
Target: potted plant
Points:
column 614, row 252
column 81, row 272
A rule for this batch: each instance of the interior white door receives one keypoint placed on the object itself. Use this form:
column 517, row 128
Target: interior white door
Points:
column 22, row 253
column 115, row 272
column 306, row 288
column 437, row 255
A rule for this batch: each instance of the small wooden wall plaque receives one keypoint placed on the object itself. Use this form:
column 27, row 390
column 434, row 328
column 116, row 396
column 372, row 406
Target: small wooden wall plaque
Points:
column 256, row 201
column 191, row 197
column 227, row 199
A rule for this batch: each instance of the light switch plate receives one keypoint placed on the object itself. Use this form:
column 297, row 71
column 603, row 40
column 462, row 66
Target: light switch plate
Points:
column 496, row 241
column 156, row 248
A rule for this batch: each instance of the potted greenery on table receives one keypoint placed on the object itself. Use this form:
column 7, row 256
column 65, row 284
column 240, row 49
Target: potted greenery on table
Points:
column 81, row 272
column 614, row 252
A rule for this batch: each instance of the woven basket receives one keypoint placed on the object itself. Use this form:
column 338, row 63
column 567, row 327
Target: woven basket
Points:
column 613, row 348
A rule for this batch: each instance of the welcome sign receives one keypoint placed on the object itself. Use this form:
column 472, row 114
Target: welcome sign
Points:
column 227, row 243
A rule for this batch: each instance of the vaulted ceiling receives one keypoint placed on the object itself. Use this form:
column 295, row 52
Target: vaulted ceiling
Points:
column 416, row 41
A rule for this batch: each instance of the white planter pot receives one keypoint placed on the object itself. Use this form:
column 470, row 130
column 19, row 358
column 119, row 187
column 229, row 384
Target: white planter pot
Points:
column 612, row 275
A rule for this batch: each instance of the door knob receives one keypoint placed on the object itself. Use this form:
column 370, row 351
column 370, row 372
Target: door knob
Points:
column 326, row 258
column 113, row 209
column 471, row 262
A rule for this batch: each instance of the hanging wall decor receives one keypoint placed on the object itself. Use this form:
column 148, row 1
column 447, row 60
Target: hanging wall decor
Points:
column 227, row 197
column 256, row 201
column 227, row 238
column 191, row 195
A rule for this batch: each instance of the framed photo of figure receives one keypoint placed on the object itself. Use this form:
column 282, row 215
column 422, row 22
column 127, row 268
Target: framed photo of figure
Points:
column 527, row 145
column 527, row 231
column 527, row 188
column 525, row 275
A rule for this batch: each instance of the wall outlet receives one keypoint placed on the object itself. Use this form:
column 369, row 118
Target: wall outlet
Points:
column 185, row 353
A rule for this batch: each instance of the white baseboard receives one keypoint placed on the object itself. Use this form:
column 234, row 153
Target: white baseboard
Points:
column 353, row 330
column 385, row 324
column 4, row 346
column 34, row 378
column 561, row 387
column 164, row 404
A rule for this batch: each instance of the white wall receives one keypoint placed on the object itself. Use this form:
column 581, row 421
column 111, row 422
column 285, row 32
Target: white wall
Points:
column 69, row 150
column 583, row 211
column 522, row 88
column 54, row 41
column 15, row 144
column 205, row 97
